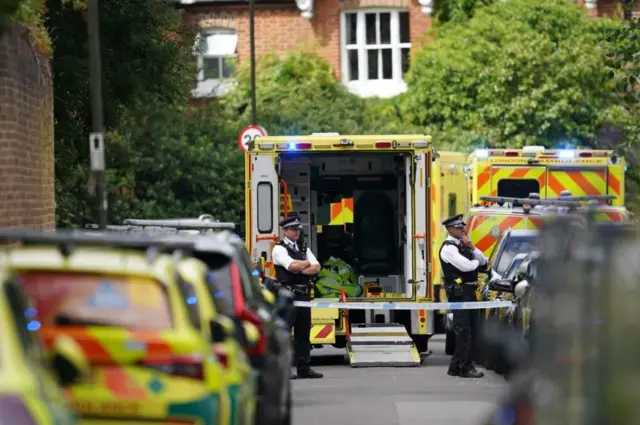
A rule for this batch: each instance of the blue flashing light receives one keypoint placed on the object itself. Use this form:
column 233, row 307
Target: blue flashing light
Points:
column 566, row 154
column 482, row 153
column 192, row 300
column 30, row 312
column 292, row 146
column 33, row 326
column 255, row 272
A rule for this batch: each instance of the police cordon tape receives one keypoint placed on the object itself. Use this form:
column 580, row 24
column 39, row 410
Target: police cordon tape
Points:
column 475, row 305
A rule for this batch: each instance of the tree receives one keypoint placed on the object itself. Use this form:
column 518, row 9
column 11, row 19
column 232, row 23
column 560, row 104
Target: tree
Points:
column 518, row 72
column 170, row 162
column 295, row 94
column 146, row 56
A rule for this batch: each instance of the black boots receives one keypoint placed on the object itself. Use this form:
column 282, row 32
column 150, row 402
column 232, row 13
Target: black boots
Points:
column 307, row 373
column 469, row 373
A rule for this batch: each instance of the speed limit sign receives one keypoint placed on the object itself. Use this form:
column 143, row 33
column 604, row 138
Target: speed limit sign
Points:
column 250, row 134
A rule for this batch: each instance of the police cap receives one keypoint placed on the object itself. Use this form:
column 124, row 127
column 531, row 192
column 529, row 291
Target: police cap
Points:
column 291, row 221
column 455, row 221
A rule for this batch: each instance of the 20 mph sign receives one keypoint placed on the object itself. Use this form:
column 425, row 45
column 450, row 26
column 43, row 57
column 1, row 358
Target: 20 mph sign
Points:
column 250, row 134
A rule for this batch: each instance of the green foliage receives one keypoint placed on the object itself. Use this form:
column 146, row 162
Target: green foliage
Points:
column 165, row 165
column 30, row 14
column 295, row 94
column 457, row 10
column 146, row 57
column 517, row 73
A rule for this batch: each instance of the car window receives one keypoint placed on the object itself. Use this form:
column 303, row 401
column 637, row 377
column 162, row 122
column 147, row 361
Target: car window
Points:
column 513, row 268
column 68, row 299
column 190, row 299
column 219, row 280
column 513, row 246
column 22, row 315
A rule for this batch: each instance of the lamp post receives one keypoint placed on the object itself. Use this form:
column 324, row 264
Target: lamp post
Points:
column 96, row 138
column 252, row 47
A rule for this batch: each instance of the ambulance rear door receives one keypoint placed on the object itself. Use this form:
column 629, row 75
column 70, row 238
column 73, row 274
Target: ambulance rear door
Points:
column 264, row 208
column 517, row 181
column 579, row 180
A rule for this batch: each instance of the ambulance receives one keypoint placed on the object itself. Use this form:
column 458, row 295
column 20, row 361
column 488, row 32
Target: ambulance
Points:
column 533, row 169
column 450, row 196
column 383, row 184
column 549, row 173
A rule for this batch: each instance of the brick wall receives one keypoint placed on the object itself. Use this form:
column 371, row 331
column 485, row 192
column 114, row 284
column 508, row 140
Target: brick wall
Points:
column 280, row 28
column 27, row 196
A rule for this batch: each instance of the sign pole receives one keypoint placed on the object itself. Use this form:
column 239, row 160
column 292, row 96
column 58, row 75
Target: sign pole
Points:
column 252, row 42
column 96, row 138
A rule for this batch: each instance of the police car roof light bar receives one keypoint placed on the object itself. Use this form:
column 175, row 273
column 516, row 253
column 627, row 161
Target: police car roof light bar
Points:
column 183, row 224
column 586, row 198
column 530, row 201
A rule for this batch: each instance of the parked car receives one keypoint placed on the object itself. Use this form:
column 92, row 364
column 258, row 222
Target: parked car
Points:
column 125, row 309
column 231, row 274
column 29, row 390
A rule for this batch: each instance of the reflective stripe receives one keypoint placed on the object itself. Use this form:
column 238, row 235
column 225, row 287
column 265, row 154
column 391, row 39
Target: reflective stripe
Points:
column 484, row 181
column 578, row 182
column 342, row 212
column 482, row 227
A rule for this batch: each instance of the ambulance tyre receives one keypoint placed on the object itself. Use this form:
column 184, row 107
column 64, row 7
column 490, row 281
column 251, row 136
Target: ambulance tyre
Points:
column 421, row 342
column 341, row 342
column 450, row 343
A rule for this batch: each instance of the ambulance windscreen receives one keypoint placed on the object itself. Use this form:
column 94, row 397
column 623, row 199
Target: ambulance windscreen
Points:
column 518, row 188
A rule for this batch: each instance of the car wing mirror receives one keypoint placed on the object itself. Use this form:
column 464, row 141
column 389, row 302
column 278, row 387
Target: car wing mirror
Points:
column 221, row 328
column 501, row 285
column 284, row 304
column 69, row 361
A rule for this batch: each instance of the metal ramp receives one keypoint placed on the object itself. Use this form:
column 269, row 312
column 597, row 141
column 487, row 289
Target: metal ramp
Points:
column 381, row 345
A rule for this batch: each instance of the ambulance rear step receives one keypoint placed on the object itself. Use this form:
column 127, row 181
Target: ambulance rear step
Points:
column 381, row 345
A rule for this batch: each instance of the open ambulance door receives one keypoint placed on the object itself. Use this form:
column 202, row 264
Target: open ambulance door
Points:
column 418, row 249
column 264, row 209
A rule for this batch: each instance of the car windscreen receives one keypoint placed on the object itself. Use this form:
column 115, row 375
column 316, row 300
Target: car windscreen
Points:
column 513, row 268
column 220, row 280
column 73, row 299
column 513, row 246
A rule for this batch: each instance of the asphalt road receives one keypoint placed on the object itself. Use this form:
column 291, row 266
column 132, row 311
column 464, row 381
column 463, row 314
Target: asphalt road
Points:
column 393, row 396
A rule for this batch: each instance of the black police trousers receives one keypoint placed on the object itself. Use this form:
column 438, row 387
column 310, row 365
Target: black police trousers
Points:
column 302, row 332
column 465, row 328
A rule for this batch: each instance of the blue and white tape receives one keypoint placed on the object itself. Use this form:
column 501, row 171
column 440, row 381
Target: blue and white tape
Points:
column 475, row 305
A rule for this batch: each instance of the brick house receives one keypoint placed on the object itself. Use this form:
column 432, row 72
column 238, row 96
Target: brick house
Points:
column 367, row 42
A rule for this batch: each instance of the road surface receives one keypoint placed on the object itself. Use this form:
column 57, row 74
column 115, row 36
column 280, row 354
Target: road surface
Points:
column 392, row 396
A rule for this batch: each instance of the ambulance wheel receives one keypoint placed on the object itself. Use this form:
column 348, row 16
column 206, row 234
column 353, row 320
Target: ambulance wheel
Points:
column 421, row 342
column 450, row 343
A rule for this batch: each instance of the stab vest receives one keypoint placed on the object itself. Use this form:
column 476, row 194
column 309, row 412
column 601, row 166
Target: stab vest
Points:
column 285, row 276
column 450, row 272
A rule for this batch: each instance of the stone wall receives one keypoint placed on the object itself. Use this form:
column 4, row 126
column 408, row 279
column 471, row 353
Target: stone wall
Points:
column 27, row 194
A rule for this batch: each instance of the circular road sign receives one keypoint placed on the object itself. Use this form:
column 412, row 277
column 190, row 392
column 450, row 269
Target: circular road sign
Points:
column 249, row 134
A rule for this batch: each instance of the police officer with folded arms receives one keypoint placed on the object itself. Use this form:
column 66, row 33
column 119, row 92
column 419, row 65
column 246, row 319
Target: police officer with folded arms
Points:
column 461, row 262
column 294, row 267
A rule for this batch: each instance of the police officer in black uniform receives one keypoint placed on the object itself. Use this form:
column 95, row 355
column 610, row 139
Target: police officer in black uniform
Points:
column 461, row 262
column 294, row 266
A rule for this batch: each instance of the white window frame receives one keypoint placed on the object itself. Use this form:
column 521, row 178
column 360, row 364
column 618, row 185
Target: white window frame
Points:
column 212, row 86
column 364, row 86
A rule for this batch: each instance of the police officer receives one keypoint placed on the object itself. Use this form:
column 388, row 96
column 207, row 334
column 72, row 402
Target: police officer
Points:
column 460, row 262
column 294, row 266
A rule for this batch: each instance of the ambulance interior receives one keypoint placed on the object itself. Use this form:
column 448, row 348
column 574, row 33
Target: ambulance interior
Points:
column 375, row 185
